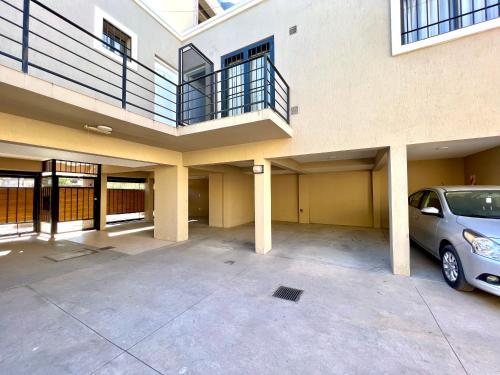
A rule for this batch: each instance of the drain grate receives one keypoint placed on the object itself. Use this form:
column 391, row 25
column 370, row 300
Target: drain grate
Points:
column 290, row 294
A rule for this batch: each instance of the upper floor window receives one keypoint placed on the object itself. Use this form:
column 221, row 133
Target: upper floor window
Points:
column 115, row 39
column 422, row 19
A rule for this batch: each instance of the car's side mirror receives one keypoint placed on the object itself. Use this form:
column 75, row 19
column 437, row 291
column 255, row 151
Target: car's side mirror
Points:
column 430, row 211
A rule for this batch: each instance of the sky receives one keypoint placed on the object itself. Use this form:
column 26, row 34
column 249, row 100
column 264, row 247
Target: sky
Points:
column 225, row 4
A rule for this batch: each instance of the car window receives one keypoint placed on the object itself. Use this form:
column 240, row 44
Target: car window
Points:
column 475, row 203
column 415, row 199
column 432, row 200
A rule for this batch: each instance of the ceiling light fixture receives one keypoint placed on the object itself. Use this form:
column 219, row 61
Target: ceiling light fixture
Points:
column 442, row 148
column 102, row 129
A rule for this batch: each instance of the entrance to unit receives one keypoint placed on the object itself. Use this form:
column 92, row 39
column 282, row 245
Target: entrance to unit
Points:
column 76, row 204
column 69, row 196
column 17, row 204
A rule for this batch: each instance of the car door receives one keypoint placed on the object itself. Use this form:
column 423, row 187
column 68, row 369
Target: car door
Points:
column 414, row 210
column 426, row 226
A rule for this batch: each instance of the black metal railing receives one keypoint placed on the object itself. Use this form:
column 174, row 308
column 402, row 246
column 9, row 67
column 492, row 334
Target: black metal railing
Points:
column 50, row 46
column 422, row 19
column 247, row 86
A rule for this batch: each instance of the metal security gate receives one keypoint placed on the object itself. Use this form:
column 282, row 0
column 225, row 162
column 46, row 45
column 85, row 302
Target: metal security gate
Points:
column 125, row 199
column 17, row 205
column 76, row 204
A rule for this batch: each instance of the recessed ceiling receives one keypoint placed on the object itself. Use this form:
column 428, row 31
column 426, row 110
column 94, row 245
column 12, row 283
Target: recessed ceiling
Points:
column 452, row 149
column 12, row 150
column 340, row 155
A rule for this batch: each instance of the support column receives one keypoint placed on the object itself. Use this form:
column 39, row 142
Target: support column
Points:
column 262, row 186
column 103, row 201
column 171, row 203
column 149, row 200
column 398, row 210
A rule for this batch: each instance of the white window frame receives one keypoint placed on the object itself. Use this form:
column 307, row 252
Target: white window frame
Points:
column 398, row 48
column 99, row 17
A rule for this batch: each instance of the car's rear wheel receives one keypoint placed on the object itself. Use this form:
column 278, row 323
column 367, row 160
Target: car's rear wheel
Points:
column 453, row 273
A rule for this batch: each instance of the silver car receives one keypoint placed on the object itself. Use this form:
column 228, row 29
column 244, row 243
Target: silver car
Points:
column 460, row 225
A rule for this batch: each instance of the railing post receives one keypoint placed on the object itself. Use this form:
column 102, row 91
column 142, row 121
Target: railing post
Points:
column 26, row 36
column 266, row 83
column 124, row 80
column 178, row 107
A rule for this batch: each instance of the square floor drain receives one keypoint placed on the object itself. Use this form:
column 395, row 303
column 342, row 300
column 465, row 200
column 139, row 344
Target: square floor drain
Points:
column 290, row 294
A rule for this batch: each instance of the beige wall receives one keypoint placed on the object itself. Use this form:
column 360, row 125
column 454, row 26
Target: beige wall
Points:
column 12, row 164
column 238, row 198
column 284, row 198
column 422, row 174
column 216, row 200
column 341, row 198
column 426, row 173
column 198, row 197
column 485, row 166
column 353, row 104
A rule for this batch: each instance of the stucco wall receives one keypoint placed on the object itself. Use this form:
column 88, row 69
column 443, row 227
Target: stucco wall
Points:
column 238, row 199
column 20, row 165
column 284, row 198
column 341, row 198
column 351, row 91
column 485, row 166
column 427, row 173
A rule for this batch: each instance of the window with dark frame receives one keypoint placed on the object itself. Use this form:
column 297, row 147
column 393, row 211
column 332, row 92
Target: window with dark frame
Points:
column 116, row 40
column 422, row 19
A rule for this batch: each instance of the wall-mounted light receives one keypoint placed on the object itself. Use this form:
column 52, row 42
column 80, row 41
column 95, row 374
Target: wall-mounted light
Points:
column 258, row 169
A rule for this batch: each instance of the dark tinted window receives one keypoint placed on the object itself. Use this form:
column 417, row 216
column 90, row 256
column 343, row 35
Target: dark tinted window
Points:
column 431, row 199
column 415, row 199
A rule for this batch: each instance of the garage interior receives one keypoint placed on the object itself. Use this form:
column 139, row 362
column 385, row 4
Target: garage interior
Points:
column 330, row 208
column 342, row 196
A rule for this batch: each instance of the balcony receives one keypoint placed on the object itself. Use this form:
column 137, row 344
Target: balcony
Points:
column 52, row 69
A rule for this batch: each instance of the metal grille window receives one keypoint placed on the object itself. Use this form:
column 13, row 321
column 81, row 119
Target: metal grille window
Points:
column 422, row 19
column 115, row 39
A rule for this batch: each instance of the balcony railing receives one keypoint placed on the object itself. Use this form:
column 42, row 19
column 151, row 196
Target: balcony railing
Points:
column 247, row 86
column 45, row 44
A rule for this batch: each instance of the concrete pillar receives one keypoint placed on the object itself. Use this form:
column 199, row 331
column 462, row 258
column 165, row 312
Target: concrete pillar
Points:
column 171, row 203
column 304, row 199
column 376, row 198
column 398, row 210
column 215, row 200
column 149, row 200
column 262, row 190
column 103, row 202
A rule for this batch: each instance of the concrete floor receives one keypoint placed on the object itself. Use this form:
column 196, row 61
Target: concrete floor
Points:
column 181, row 309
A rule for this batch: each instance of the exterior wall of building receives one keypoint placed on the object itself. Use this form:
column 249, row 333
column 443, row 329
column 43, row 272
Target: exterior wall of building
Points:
column 352, row 93
column 341, row 198
column 285, row 198
column 427, row 173
column 485, row 166
column 97, row 66
column 12, row 164
column 238, row 197
column 39, row 133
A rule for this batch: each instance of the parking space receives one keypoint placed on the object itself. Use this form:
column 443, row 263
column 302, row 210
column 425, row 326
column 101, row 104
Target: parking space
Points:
column 201, row 304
